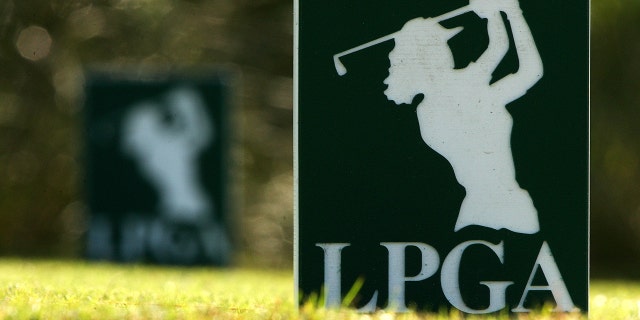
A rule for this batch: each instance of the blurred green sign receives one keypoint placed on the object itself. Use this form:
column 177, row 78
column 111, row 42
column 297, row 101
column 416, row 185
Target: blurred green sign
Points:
column 156, row 152
column 442, row 154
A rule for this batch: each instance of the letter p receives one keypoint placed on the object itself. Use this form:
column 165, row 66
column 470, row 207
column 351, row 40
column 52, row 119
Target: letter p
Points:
column 397, row 278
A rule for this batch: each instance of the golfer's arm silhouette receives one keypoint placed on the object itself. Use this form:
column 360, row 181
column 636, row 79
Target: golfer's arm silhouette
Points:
column 530, row 69
column 463, row 115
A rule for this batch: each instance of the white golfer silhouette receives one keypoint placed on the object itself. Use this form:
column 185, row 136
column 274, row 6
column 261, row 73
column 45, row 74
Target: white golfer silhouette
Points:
column 463, row 115
column 166, row 146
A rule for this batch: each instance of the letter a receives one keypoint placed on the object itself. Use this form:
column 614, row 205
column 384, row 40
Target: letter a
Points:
column 555, row 283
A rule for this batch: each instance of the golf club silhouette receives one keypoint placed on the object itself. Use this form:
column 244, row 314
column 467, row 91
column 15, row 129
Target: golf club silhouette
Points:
column 342, row 70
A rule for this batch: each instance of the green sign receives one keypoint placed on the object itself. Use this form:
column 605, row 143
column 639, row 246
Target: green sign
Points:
column 156, row 169
column 442, row 154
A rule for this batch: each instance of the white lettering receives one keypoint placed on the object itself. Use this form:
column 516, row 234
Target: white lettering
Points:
column 450, row 277
column 332, row 277
column 554, row 280
column 332, row 267
column 397, row 278
column 451, row 285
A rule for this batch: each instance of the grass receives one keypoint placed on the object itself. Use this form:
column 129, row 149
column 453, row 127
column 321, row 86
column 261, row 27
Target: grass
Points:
column 32, row 289
column 71, row 290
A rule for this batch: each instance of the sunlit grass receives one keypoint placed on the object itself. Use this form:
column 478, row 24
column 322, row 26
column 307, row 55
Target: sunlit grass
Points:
column 58, row 290
column 79, row 290
column 615, row 300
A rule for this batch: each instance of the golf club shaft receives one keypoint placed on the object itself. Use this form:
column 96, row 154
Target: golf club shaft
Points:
column 340, row 68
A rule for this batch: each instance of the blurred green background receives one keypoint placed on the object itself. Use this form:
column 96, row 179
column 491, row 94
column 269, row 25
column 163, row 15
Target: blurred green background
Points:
column 615, row 138
column 47, row 46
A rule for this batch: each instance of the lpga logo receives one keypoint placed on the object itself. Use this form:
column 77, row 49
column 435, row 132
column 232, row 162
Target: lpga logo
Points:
column 463, row 115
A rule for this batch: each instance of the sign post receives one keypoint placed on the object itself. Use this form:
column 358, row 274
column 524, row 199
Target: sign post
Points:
column 442, row 154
